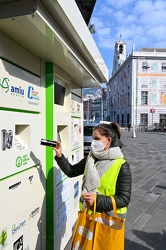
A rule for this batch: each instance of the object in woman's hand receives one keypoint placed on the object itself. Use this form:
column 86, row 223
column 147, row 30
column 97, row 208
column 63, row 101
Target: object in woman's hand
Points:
column 46, row 142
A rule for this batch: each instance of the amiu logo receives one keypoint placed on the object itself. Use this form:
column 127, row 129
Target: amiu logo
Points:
column 32, row 94
column 18, row 91
column 5, row 84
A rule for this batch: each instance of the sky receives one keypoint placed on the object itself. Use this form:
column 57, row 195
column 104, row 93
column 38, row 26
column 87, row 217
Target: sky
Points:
column 141, row 21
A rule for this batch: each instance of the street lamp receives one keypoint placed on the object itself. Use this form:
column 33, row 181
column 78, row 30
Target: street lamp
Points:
column 88, row 111
column 134, row 99
column 108, row 103
column 101, row 106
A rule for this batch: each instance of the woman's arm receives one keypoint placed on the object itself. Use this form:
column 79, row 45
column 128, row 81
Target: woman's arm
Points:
column 122, row 194
column 71, row 170
column 65, row 166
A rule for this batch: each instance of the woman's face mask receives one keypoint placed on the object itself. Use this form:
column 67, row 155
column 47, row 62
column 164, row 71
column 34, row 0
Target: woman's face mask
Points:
column 100, row 142
column 97, row 146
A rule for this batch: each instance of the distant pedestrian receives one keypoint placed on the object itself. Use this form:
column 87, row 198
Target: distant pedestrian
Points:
column 129, row 126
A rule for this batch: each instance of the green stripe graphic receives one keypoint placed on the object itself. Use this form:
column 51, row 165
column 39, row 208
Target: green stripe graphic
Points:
column 49, row 158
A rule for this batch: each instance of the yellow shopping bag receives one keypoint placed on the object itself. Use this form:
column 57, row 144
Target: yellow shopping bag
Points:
column 98, row 231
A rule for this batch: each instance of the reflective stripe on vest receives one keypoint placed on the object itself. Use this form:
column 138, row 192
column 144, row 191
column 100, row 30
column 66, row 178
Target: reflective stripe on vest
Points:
column 108, row 187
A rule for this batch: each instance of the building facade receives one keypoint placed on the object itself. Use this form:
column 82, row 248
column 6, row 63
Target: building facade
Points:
column 138, row 90
column 95, row 105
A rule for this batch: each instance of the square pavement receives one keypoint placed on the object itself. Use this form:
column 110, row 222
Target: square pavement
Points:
column 146, row 220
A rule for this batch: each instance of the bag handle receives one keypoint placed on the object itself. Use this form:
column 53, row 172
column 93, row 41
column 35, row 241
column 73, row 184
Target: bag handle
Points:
column 94, row 204
column 114, row 206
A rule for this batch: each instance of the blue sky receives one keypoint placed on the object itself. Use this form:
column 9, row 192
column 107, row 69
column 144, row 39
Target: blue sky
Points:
column 141, row 21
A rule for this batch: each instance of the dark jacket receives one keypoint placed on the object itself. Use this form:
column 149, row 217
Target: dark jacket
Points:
column 123, row 185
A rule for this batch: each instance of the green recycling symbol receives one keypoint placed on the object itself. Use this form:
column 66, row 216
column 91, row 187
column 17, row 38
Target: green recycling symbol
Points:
column 5, row 84
column 18, row 161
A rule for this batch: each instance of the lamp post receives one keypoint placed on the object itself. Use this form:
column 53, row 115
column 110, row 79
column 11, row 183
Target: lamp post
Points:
column 101, row 98
column 101, row 105
column 108, row 103
column 152, row 110
column 134, row 98
column 88, row 111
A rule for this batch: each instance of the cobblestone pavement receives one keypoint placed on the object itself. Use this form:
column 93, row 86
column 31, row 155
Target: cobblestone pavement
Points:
column 146, row 220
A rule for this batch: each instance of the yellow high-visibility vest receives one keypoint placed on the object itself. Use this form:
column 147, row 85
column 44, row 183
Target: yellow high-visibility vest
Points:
column 108, row 186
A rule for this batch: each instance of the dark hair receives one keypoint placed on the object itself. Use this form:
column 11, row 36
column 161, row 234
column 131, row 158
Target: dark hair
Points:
column 110, row 130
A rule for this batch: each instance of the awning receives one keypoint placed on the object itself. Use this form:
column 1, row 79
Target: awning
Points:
column 45, row 29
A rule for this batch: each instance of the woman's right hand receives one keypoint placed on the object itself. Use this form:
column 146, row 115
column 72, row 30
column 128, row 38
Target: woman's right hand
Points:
column 58, row 149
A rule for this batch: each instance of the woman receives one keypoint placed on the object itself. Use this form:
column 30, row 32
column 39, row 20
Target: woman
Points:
column 105, row 172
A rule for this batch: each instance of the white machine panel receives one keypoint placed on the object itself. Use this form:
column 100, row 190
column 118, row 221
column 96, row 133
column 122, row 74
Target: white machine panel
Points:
column 19, row 89
column 21, row 205
column 20, row 141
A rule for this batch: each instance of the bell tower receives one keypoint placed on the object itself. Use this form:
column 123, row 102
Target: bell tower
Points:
column 119, row 55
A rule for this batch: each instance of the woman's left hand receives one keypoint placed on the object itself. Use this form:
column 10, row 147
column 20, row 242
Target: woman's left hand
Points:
column 88, row 198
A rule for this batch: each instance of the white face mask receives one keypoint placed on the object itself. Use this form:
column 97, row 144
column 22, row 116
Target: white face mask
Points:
column 97, row 146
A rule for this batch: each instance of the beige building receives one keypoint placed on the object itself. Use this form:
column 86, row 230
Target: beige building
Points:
column 138, row 89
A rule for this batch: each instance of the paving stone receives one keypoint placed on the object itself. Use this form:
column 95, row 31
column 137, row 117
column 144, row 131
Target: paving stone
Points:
column 137, row 179
column 149, row 197
column 138, row 171
column 148, row 185
column 162, row 184
column 136, row 246
column 139, row 192
column 157, row 158
column 163, row 206
column 156, row 205
column 141, row 221
column 141, row 241
column 155, row 226
column 162, row 243
column 133, row 198
column 157, row 190
column 136, row 210
column 159, row 176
